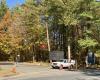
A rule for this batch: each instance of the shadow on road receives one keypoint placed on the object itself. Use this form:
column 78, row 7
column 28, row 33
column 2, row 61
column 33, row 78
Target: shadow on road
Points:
column 92, row 72
column 6, row 63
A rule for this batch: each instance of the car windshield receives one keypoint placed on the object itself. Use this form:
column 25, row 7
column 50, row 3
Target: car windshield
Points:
column 61, row 60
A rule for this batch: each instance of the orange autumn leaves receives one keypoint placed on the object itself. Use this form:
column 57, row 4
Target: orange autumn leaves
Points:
column 11, row 31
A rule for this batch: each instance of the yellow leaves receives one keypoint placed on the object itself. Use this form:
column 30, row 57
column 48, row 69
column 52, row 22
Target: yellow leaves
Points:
column 14, row 34
column 4, row 37
column 6, row 19
column 88, row 42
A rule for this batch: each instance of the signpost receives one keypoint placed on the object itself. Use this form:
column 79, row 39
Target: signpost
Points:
column 56, row 55
column 90, row 59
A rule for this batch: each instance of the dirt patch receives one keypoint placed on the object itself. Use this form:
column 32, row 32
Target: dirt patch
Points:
column 6, row 73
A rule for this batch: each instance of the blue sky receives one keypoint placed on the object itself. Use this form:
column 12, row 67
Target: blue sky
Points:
column 13, row 3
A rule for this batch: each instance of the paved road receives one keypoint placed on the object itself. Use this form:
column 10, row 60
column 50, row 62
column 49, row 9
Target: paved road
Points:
column 30, row 72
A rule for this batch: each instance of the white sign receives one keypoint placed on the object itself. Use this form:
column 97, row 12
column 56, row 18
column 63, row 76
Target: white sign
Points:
column 98, row 0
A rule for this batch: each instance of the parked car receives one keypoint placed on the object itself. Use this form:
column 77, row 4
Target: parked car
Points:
column 63, row 63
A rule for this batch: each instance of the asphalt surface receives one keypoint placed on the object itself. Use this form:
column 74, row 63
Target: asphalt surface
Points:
column 33, row 72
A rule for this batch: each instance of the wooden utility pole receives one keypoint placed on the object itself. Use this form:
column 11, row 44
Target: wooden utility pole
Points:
column 48, row 41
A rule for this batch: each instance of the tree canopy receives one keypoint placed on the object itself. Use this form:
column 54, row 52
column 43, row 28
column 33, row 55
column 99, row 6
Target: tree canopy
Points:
column 23, row 29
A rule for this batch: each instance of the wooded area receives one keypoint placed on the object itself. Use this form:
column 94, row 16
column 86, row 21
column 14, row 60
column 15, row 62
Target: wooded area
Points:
column 74, row 23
